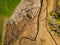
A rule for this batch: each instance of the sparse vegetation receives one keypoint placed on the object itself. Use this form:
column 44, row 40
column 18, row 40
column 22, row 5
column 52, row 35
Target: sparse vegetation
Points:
column 54, row 20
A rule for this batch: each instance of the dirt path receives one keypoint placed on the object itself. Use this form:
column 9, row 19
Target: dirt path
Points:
column 44, row 34
column 43, row 37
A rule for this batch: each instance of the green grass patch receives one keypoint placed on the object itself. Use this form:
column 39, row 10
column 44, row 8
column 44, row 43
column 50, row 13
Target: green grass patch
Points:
column 1, row 26
column 7, row 6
